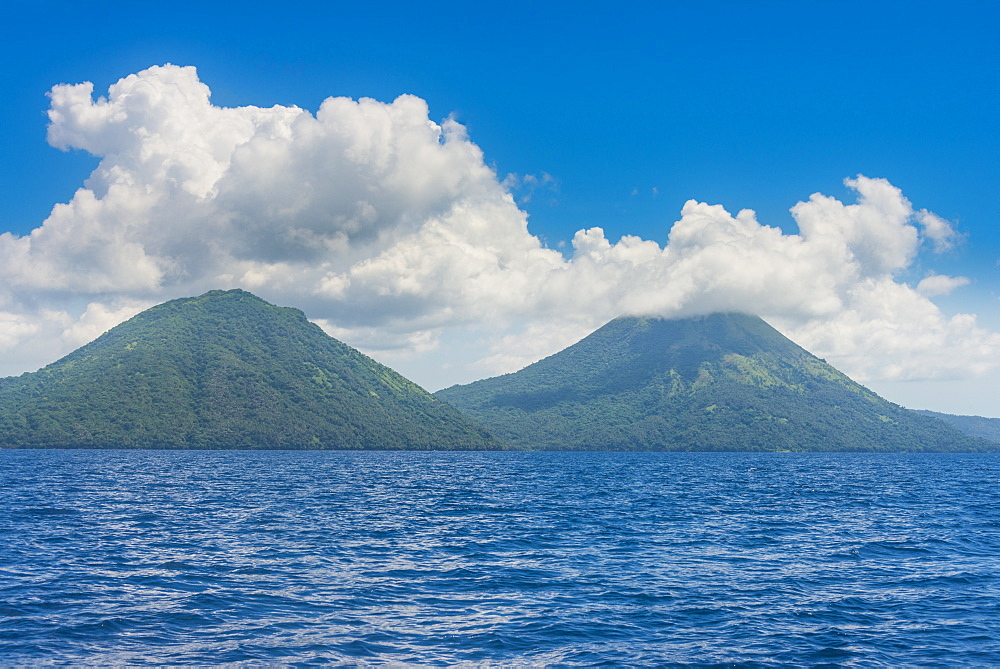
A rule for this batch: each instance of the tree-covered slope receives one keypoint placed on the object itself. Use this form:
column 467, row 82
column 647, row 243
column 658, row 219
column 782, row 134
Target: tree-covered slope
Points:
column 719, row 382
column 225, row 370
column 976, row 426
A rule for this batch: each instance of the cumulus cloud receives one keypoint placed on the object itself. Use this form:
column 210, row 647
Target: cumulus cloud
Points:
column 393, row 233
column 939, row 284
column 938, row 231
column 97, row 319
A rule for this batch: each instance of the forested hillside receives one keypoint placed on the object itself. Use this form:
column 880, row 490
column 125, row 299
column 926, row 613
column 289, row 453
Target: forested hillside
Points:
column 719, row 382
column 225, row 370
column 976, row 426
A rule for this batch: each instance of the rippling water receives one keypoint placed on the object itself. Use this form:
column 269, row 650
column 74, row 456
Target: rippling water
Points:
column 215, row 557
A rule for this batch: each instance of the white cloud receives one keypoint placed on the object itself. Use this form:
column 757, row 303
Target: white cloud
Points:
column 891, row 332
column 393, row 232
column 939, row 231
column 939, row 284
column 15, row 328
column 97, row 319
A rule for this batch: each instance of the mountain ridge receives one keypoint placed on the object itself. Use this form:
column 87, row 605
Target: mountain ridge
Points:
column 977, row 426
column 716, row 382
column 225, row 370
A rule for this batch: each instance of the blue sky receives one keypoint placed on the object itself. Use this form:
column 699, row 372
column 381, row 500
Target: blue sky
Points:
column 630, row 109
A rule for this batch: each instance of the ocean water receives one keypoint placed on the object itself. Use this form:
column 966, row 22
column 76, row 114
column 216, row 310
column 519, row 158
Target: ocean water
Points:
column 560, row 559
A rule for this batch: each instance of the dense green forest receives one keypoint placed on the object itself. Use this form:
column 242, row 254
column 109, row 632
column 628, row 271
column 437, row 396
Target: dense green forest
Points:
column 977, row 426
column 720, row 382
column 229, row 370
column 225, row 370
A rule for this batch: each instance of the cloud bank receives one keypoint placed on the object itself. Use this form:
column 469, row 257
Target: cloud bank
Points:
column 392, row 232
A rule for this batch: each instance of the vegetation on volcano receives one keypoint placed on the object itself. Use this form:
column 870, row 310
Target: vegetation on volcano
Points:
column 225, row 370
column 723, row 382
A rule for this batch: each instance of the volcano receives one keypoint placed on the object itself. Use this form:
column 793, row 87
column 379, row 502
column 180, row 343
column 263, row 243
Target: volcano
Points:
column 723, row 382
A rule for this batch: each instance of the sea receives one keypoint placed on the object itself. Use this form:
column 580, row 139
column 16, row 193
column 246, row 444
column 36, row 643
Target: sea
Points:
column 374, row 558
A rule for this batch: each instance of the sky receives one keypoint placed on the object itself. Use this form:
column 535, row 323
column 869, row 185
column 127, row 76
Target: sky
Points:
column 459, row 189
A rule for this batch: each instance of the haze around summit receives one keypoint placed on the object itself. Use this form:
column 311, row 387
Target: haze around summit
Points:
column 459, row 193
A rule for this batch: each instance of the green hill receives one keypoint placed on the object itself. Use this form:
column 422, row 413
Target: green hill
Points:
column 225, row 370
column 977, row 426
column 719, row 382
